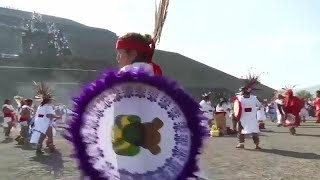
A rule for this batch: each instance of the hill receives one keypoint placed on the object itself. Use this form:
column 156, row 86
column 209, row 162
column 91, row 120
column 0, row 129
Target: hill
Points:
column 311, row 89
column 93, row 48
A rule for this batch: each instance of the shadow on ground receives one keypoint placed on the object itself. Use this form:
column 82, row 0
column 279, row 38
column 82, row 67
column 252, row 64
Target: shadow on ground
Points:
column 54, row 162
column 6, row 141
column 292, row 154
column 309, row 135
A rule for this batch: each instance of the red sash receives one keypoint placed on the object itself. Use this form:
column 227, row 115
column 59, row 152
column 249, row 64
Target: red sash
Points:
column 9, row 115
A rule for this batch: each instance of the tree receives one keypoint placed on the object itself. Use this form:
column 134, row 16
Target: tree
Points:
column 304, row 94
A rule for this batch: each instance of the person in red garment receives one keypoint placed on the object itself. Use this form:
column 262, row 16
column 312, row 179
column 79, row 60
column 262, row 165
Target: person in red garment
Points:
column 292, row 107
column 317, row 105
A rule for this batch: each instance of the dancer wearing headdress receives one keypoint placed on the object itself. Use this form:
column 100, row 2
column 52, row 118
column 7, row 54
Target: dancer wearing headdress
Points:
column 292, row 107
column 44, row 115
column 245, row 109
column 317, row 105
column 135, row 123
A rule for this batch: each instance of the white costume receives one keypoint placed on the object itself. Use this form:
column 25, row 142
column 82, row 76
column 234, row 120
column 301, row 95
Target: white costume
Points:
column 41, row 123
column 304, row 112
column 261, row 114
column 6, row 120
column 278, row 110
column 248, row 118
column 207, row 109
column 138, row 66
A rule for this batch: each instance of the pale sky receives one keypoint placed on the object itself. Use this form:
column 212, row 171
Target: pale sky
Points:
column 281, row 37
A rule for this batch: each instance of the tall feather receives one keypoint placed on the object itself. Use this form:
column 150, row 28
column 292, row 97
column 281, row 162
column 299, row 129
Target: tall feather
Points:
column 160, row 17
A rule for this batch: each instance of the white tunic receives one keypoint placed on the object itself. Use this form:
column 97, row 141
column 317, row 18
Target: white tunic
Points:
column 207, row 109
column 138, row 66
column 304, row 112
column 261, row 114
column 249, row 120
column 279, row 116
column 41, row 122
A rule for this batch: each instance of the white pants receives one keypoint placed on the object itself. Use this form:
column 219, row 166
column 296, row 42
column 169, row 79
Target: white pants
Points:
column 280, row 118
column 40, row 127
column 6, row 120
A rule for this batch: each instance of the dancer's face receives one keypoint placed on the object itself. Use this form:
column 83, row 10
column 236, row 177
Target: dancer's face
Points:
column 126, row 57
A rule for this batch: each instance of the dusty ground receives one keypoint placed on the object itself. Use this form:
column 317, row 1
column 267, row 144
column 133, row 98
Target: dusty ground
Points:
column 283, row 157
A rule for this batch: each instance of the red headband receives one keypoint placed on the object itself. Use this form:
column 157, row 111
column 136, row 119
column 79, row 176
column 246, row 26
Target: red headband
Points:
column 138, row 46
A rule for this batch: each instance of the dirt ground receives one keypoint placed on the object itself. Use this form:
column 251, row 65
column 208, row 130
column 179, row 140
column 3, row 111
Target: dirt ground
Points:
column 284, row 157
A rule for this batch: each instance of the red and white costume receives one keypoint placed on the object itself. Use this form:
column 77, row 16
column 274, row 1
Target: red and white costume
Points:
column 293, row 106
column 317, row 105
column 23, row 120
column 8, row 116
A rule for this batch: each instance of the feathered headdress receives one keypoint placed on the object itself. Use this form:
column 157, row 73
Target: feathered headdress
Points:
column 251, row 81
column 18, row 100
column 288, row 87
column 42, row 91
column 206, row 94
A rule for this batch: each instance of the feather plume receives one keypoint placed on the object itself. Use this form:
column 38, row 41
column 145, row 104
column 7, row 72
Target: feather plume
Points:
column 252, row 80
column 160, row 17
column 42, row 91
column 287, row 87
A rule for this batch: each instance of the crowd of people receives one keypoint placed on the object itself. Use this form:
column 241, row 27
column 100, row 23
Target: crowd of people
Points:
column 24, row 122
column 285, row 109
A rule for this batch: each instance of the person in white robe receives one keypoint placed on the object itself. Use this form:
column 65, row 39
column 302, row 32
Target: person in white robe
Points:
column 261, row 116
column 222, row 116
column 207, row 109
column 44, row 116
column 279, row 106
column 248, row 123
column 304, row 114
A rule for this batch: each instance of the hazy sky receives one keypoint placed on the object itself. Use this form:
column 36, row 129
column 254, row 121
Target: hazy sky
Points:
column 281, row 37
